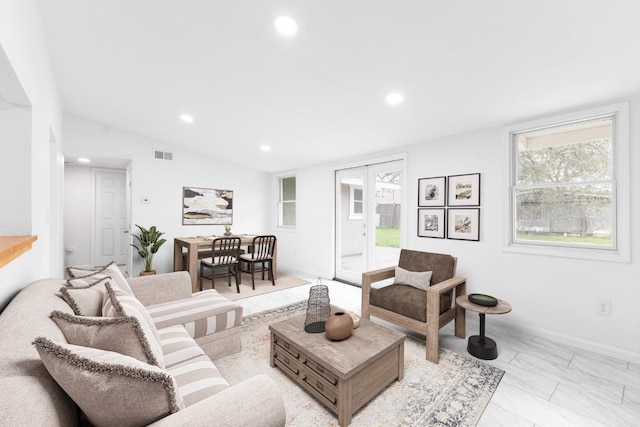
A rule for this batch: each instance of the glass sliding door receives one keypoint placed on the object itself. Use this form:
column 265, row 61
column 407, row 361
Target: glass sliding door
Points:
column 368, row 218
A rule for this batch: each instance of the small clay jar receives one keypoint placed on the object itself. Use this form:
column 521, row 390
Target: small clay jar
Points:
column 339, row 326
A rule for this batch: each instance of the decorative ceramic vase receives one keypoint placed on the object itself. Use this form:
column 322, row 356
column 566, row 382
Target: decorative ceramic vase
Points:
column 318, row 308
column 339, row 326
column 227, row 233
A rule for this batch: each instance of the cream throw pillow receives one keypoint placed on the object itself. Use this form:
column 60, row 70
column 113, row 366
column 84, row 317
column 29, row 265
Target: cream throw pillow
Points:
column 85, row 300
column 110, row 388
column 417, row 279
column 120, row 303
column 110, row 270
column 122, row 335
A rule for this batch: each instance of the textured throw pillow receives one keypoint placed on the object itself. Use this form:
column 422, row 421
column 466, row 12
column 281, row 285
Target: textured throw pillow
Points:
column 119, row 303
column 85, row 300
column 90, row 276
column 122, row 335
column 110, row 388
column 417, row 279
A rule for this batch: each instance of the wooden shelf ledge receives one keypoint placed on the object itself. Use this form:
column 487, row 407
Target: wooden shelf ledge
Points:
column 11, row 247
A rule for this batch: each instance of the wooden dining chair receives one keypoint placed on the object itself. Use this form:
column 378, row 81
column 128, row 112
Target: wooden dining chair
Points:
column 225, row 256
column 260, row 252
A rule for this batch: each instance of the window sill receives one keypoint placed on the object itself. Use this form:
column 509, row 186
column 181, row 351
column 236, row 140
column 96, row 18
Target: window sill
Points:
column 11, row 247
column 562, row 252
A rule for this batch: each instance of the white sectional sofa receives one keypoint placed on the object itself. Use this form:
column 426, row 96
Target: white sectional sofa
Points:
column 47, row 385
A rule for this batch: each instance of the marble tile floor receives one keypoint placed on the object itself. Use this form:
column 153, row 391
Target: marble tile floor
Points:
column 545, row 383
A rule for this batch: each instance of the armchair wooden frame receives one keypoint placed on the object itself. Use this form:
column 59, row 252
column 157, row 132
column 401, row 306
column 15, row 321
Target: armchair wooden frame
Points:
column 435, row 320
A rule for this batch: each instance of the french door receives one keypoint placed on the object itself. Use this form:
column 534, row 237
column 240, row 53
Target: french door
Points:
column 369, row 218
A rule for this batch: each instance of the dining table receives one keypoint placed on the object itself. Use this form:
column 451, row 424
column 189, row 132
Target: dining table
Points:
column 187, row 251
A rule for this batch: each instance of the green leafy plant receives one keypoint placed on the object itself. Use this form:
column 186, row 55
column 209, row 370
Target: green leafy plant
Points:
column 149, row 242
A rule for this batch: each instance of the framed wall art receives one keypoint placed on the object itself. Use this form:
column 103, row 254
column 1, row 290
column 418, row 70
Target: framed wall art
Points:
column 432, row 191
column 463, row 224
column 206, row 206
column 464, row 190
column 431, row 223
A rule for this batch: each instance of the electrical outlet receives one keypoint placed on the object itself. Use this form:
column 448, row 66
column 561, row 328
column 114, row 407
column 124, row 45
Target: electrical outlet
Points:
column 604, row 308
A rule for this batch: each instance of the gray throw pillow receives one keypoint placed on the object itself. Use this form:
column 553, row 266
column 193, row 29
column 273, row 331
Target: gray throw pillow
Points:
column 110, row 388
column 122, row 335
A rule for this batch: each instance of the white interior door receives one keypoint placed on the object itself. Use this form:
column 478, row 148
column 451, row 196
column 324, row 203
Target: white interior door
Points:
column 369, row 218
column 111, row 230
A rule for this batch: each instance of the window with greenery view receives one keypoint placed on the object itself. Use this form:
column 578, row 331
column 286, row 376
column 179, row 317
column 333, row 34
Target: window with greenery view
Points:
column 564, row 184
column 287, row 202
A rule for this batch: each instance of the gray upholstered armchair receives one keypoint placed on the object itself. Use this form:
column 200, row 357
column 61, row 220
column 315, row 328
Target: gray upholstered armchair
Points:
column 422, row 311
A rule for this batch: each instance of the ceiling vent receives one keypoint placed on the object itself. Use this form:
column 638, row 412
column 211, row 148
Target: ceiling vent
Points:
column 162, row 155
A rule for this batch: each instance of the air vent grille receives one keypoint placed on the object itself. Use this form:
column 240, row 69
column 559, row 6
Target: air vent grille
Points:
column 162, row 155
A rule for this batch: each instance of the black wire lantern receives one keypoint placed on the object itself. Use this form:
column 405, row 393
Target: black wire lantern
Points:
column 318, row 308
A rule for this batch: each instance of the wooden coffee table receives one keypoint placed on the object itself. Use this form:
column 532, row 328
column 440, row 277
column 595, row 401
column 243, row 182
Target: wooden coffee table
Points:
column 342, row 375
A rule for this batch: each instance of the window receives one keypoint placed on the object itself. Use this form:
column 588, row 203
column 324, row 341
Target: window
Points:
column 287, row 202
column 355, row 197
column 565, row 182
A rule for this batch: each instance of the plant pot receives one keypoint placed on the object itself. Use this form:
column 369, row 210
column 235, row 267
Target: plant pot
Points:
column 339, row 326
column 147, row 273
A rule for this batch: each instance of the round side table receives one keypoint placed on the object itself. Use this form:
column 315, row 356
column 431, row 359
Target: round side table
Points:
column 482, row 346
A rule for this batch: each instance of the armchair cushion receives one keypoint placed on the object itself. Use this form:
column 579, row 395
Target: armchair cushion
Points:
column 442, row 266
column 417, row 279
column 405, row 299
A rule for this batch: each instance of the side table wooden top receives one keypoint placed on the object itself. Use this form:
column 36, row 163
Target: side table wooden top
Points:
column 502, row 307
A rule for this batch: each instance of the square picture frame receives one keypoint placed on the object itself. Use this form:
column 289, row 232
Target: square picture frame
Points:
column 464, row 190
column 432, row 191
column 206, row 206
column 463, row 224
column 432, row 223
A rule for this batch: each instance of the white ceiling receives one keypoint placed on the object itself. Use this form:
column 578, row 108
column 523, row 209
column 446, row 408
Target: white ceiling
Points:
column 319, row 96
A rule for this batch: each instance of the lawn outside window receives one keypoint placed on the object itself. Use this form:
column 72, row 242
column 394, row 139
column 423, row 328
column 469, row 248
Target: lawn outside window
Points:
column 569, row 192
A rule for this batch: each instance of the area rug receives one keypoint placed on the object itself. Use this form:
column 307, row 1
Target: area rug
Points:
column 451, row 393
column 262, row 286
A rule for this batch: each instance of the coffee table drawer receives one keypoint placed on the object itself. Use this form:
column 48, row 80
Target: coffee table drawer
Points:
column 285, row 361
column 286, row 346
column 321, row 388
column 320, row 370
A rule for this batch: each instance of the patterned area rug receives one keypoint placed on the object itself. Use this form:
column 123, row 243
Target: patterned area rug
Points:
column 451, row 393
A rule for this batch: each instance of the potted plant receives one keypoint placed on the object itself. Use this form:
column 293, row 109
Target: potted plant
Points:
column 149, row 242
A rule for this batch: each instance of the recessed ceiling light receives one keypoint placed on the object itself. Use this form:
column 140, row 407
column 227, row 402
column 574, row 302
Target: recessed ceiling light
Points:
column 265, row 147
column 83, row 160
column 285, row 26
column 186, row 118
column 394, row 98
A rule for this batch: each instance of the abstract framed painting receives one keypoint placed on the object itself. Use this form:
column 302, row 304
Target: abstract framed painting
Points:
column 206, row 206
column 431, row 191
column 431, row 223
column 463, row 224
column 464, row 190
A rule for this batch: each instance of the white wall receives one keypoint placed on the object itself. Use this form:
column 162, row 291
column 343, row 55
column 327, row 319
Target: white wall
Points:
column 555, row 297
column 22, row 39
column 77, row 216
column 161, row 181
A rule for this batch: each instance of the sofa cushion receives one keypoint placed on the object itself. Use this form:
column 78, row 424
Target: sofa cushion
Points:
column 122, row 334
column 417, row 279
column 110, row 388
column 120, row 303
column 110, row 270
column 196, row 375
column 85, row 299
column 177, row 345
column 206, row 313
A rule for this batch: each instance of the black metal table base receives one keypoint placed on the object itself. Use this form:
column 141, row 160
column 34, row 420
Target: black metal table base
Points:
column 482, row 346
